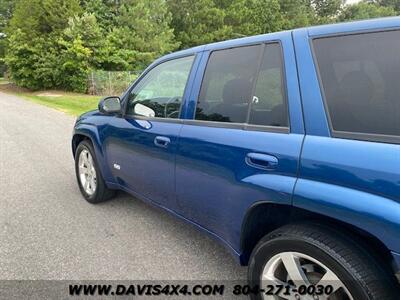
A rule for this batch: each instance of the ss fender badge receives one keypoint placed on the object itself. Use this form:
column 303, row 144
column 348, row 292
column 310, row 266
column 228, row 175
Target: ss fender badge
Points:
column 117, row 166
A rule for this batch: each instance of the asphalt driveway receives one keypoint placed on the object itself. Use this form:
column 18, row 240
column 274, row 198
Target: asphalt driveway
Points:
column 47, row 230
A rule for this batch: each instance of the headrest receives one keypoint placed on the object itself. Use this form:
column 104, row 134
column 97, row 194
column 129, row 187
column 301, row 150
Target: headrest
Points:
column 237, row 91
column 356, row 84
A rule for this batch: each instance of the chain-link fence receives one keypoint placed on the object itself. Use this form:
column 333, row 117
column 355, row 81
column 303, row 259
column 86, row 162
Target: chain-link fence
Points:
column 110, row 83
column 3, row 69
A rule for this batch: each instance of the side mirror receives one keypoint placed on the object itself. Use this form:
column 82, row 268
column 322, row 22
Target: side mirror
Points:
column 142, row 110
column 110, row 105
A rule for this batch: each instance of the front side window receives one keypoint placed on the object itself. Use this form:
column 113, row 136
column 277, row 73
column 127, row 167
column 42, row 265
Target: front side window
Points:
column 360, row 79
column 160, row 92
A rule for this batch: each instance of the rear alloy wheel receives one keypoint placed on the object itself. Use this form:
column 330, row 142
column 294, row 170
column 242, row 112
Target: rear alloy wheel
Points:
column 90, row 181
column 316, row 262
column 294, row 269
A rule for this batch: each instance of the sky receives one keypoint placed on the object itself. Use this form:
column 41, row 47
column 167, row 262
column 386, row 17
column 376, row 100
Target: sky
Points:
column 352, row 1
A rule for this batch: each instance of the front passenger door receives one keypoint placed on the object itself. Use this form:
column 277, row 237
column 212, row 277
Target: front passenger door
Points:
column 141, row 146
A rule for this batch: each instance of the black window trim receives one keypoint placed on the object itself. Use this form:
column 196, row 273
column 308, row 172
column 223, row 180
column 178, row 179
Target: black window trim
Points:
column 369, row 137
column 142, row 76
column 246, row 125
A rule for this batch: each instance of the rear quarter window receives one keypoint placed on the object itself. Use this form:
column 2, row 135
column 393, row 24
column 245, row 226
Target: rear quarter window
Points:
column 360, row 79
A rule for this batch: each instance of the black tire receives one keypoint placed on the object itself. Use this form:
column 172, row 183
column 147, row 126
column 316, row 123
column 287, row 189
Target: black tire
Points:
column 102, row 193
column 363, row 274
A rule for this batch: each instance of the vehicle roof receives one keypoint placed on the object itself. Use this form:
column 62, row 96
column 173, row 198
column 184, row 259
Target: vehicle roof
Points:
column 355, row 26
column 315, row 31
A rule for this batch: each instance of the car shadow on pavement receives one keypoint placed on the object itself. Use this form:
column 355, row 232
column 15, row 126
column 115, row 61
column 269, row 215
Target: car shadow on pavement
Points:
column 170, row 239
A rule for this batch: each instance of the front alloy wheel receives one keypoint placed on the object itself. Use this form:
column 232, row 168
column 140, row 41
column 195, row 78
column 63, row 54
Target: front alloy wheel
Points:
column 87, row 172
column 90, row 180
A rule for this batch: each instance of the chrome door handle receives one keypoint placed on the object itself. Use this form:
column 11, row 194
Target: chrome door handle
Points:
column 162, row 141
column 261, row 161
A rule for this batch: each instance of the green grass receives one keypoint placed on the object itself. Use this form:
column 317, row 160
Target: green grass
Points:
column 3, row 81
column 70, row 103
column 74, row 104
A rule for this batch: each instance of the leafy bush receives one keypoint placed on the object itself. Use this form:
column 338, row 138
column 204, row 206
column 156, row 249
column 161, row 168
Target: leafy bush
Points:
column 52, row 44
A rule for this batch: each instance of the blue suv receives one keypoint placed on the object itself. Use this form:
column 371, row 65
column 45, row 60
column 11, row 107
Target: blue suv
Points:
column 285, row 147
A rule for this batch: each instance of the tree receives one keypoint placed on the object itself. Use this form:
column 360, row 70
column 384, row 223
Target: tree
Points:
column 104, row 10
column 6, row 9
column 55, row 43
column 81, row 49
column 389, row 3
column 142, row 33
column 86, row 29
column 249, row 17
column 198, row 22
column 296, row 13
column 74, row 65
column 33, row 54
column 365, row 10
column 38, row 18
column 21, row 59
column 326, row 10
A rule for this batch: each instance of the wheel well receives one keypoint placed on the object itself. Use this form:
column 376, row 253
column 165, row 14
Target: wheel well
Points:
column 76, row 140
column 266, row 217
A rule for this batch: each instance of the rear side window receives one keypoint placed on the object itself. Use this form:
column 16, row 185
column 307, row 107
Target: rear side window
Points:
column 269, row 101
column 244, row 85
column 227, row 85
column 360, row 77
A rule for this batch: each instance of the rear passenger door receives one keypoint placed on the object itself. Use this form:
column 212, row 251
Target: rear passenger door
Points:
column 238, row 145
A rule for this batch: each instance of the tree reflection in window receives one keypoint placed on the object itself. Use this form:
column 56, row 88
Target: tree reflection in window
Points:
column 162, row 88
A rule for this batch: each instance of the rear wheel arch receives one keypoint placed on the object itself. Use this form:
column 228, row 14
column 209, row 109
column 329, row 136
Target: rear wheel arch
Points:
column 260, row 219
column 263, row 218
